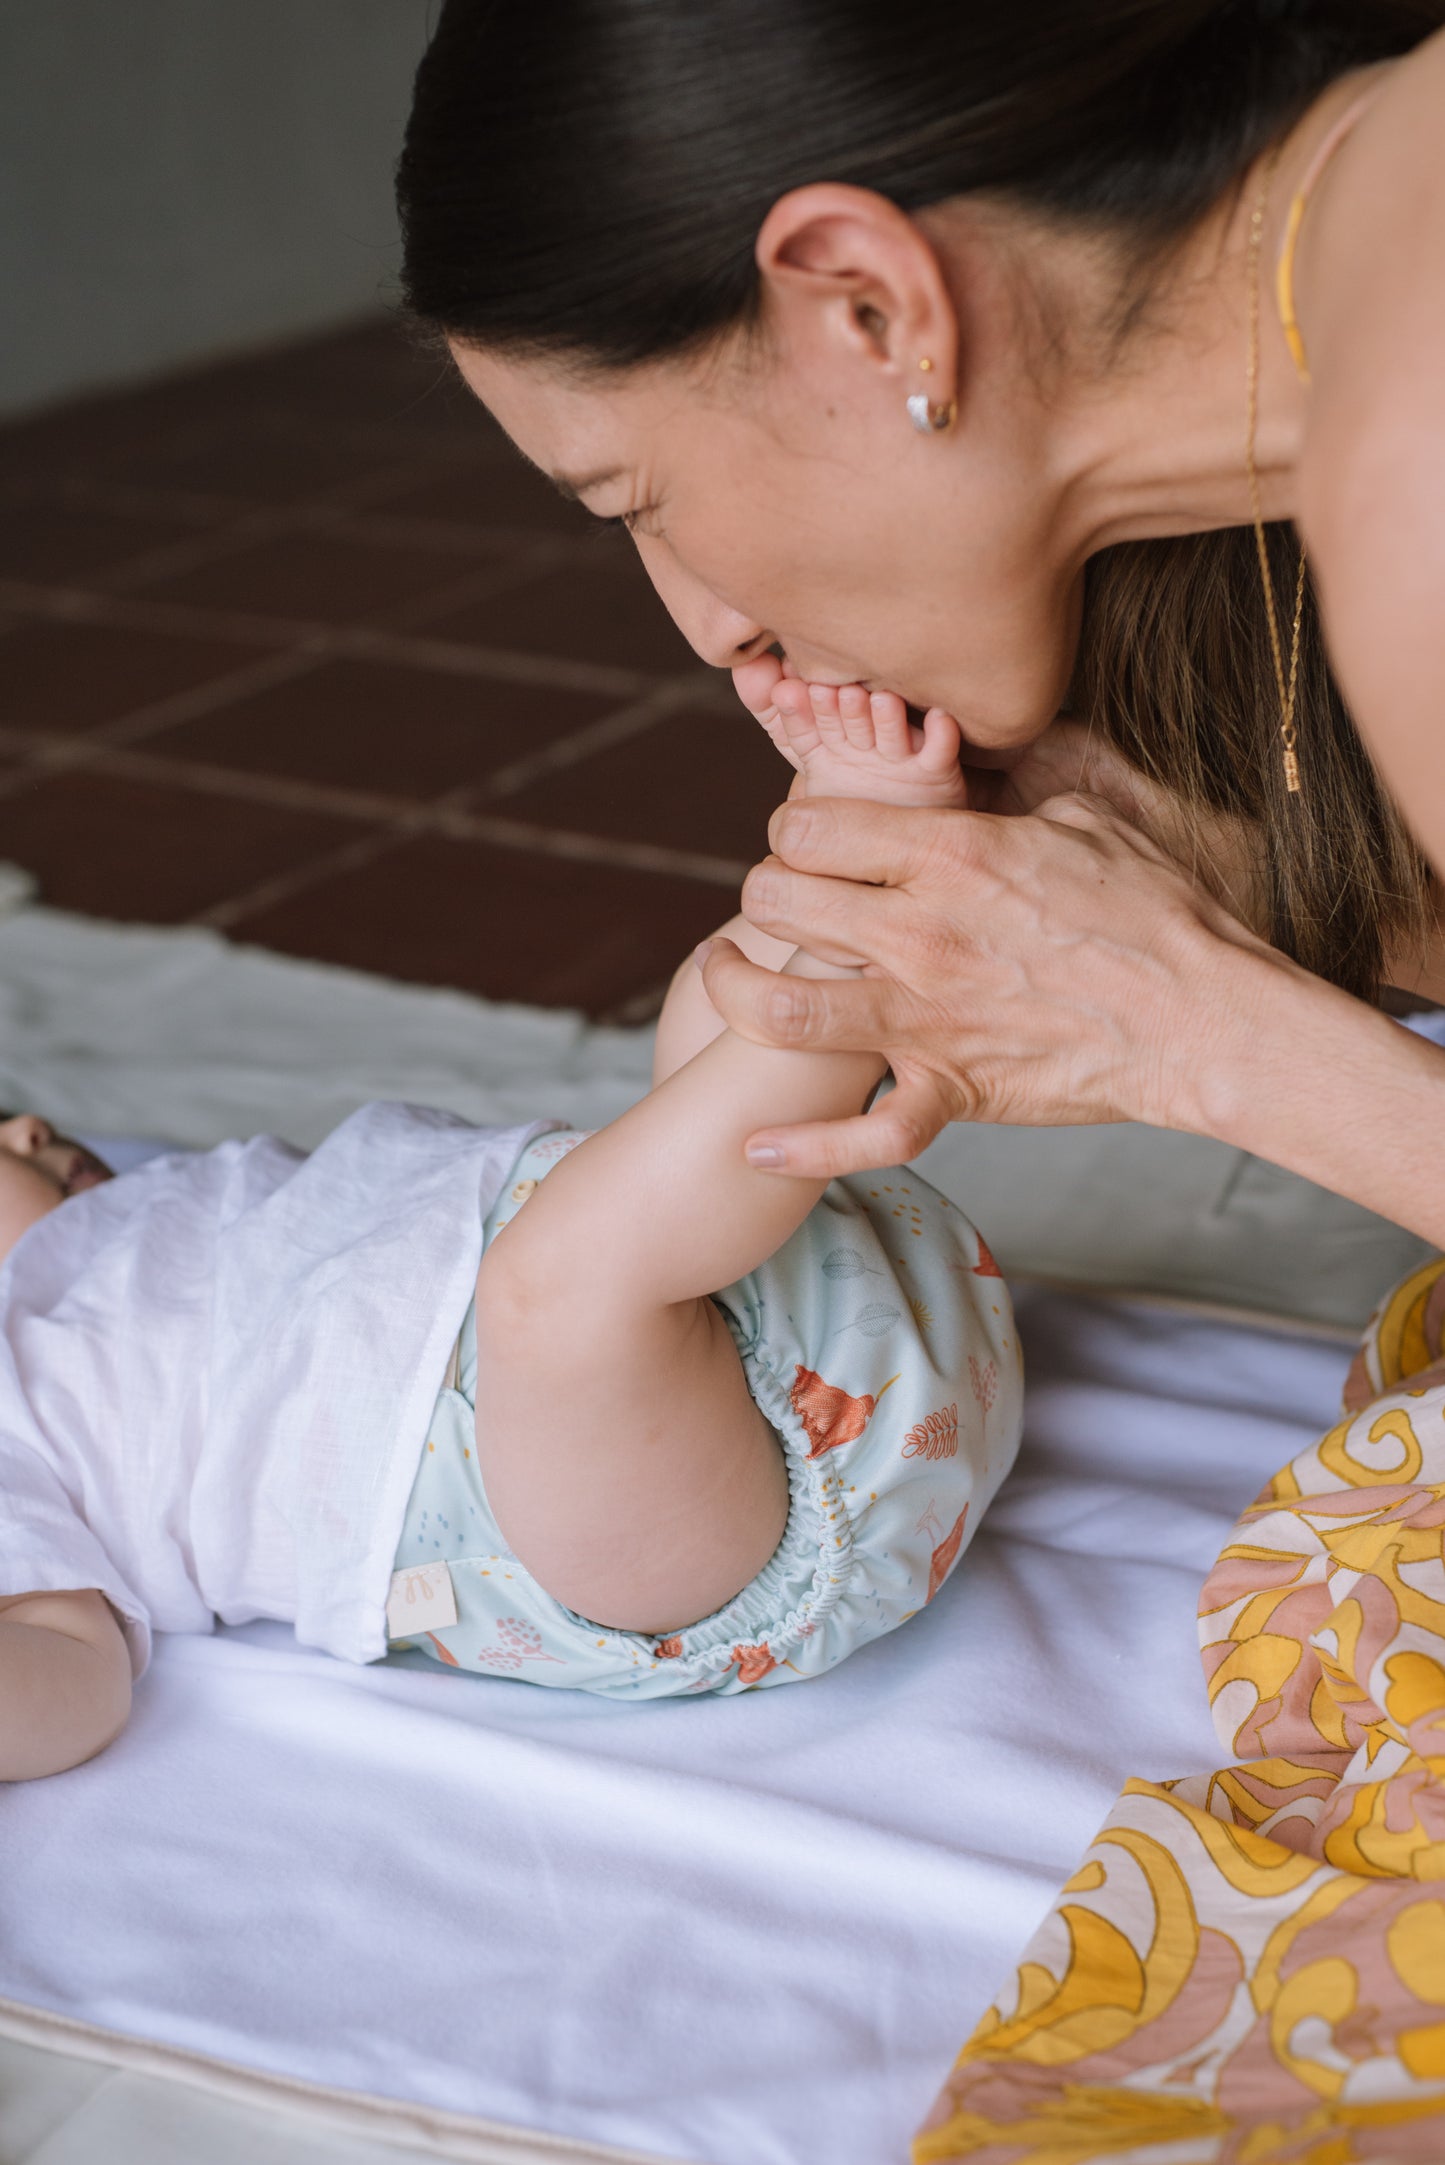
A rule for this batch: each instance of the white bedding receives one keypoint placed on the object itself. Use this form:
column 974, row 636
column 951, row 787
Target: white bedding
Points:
column 745, row 1932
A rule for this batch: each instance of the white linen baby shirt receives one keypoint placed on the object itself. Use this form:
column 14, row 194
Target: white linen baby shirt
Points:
column 217, row 1373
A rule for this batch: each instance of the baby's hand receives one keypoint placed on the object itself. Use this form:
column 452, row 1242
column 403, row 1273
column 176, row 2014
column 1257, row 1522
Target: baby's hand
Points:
column 847, row 742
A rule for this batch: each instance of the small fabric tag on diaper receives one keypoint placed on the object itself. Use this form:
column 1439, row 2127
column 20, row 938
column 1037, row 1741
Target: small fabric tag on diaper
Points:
column 421, row 1599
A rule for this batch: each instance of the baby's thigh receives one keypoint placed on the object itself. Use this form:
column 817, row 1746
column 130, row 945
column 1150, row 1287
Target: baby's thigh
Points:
column 627, row 1464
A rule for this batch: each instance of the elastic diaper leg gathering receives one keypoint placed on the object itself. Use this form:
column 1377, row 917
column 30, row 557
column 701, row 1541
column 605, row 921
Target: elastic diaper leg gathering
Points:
column 880, row 1345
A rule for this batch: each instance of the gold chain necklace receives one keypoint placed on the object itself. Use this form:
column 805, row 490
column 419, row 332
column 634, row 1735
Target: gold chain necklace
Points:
column 1288, row 685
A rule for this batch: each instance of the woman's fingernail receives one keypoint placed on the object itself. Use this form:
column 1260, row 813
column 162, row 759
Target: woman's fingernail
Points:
column 766, row 1156
column 701, row 952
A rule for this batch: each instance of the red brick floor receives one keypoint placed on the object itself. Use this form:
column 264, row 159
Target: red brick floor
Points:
column 298, row 648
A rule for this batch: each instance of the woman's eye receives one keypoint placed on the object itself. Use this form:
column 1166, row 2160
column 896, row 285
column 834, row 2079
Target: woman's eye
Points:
column 626, row 521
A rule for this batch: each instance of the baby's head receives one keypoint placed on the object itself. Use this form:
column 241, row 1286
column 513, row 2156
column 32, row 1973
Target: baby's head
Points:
column 39, row 1170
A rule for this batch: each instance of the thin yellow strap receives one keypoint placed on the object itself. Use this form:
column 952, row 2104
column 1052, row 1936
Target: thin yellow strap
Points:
column 1284, row 286
column 1284, row 272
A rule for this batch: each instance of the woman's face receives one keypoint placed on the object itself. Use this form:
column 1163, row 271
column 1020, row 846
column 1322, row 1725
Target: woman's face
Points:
column 776, row 499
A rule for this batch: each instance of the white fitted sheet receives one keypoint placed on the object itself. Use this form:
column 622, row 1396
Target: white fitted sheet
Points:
column 745, row 1932
column 755, row 1930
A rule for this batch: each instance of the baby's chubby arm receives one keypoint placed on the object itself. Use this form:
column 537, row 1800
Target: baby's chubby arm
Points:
column 64, row 1682
column 622, row 1452
column 689, row 1020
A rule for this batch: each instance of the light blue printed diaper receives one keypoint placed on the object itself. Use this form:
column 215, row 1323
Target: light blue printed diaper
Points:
column 879, row 1342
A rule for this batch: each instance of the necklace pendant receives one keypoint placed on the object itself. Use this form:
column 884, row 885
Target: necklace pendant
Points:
column 1291, row 771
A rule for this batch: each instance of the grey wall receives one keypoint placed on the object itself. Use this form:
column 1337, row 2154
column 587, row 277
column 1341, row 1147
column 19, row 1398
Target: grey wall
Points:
column 186, row 177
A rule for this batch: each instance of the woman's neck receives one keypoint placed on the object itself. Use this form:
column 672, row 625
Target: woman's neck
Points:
column 1148, row 437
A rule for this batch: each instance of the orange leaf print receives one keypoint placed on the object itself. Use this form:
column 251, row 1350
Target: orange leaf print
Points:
column 985, row 1267
column 667, row 1649
column 753, row 1662
column 829, row 1416
column 450, row 1659
column 983, row 1382
column 945, row 1556
column 936, row 1436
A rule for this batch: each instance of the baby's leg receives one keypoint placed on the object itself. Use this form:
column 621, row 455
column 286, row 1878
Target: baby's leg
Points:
column 622, row 1455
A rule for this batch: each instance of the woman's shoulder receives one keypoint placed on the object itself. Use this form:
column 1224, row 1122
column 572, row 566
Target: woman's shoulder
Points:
column 1416, row 84
column 1372, row 293
column 1371, row 476
column 1400, row 130
column 1373, row 259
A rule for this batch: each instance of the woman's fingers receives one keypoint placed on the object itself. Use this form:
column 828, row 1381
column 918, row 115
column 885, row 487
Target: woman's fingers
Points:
column 882, row 845
column 825, row 1014
column 832, row 918
column 1045, row 969
column 898, row 1127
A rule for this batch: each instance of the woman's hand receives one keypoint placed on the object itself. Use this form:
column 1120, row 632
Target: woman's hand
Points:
column 1054, row 957
column 1226, row 855
column 1048, row 969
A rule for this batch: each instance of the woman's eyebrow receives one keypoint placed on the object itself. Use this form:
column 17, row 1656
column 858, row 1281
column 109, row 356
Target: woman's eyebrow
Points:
column 577, row 489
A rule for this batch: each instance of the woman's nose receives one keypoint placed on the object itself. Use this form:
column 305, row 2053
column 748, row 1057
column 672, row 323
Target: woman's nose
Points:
column 719, row 634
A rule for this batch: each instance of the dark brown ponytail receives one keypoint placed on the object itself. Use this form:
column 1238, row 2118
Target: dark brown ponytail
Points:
column 589, row 176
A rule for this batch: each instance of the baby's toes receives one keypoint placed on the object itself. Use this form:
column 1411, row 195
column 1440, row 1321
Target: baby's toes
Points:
column 828, row 717
column 942, row 741
column 854, row 719
column 890, row 726
column 756, row 683
column 790, row 700
column 795, row 718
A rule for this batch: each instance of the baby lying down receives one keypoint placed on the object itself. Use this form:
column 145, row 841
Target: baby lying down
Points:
column 326, row 1390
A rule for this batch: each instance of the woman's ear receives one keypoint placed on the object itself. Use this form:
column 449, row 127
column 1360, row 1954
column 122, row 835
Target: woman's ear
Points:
column 852, row 282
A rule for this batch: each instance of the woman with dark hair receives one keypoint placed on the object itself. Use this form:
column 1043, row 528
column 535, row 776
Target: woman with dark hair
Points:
column 701, row 259
column 1034, row 361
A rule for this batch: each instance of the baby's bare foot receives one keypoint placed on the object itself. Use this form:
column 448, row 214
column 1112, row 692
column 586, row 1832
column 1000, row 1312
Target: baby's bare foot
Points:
column 847, row 742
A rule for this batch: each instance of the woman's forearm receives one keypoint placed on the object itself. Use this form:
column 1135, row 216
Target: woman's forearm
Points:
column 1331, row 1089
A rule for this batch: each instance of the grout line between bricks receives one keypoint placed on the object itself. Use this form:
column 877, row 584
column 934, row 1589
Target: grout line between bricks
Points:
column 600, row 736
column 81, row 605
column 451, row 815
column 483, row 583
column 591, row 849
column 49, row 751
column 198, row 552
column 356, row 508
column 348, row 857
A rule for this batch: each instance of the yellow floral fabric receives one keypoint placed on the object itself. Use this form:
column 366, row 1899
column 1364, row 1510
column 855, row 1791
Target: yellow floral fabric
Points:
column 1249, row 1966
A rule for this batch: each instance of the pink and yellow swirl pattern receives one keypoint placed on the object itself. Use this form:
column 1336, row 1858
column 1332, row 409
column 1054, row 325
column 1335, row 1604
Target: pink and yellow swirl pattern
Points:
column 1249, row 1966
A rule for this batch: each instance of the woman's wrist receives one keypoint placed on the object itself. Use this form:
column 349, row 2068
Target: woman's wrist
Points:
column 1248, row 1010
column 1302, row 1074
